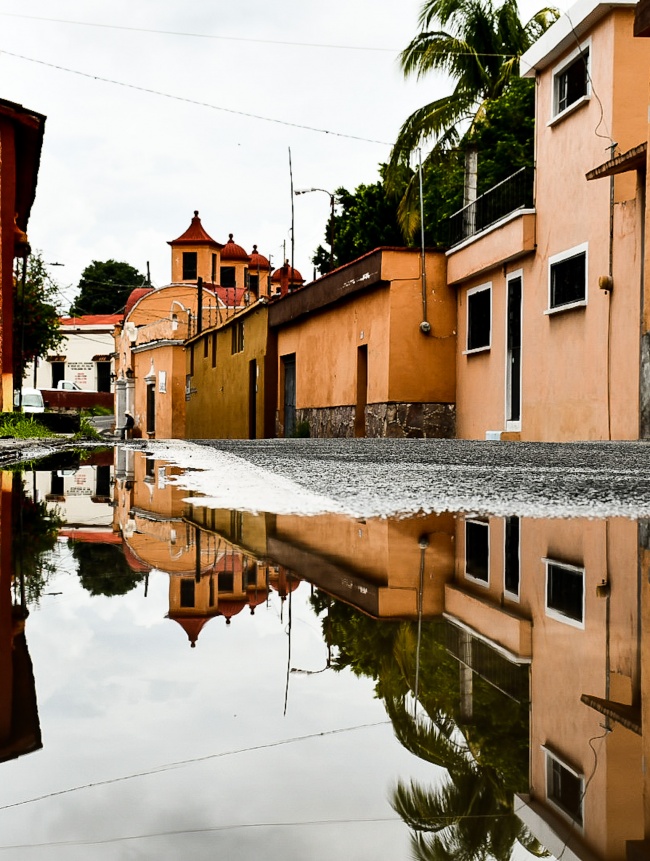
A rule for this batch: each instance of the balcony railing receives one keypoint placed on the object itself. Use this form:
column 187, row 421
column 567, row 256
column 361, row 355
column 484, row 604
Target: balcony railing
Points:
column 509, row 195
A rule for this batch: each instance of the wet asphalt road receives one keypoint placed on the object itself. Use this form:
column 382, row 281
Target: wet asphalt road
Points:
column 388, row 475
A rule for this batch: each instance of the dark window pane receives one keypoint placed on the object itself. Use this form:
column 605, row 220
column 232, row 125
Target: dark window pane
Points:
column 572, row 82
column 189, row 266
column 565, row 591
column 566, row 790
column 477, row 550
column 478, row 319
column 187, row 593
column 568, row 280
column 227, row 276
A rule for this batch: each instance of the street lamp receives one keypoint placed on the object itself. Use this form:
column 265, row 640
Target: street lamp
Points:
column 332, row 198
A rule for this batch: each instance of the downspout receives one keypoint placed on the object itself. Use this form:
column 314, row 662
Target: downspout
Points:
column 425, row 326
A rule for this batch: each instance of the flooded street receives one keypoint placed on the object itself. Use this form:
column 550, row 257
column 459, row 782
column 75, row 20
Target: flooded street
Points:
column 184, row 678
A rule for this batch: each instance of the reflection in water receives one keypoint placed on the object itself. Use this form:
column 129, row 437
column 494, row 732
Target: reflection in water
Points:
column 506, row 652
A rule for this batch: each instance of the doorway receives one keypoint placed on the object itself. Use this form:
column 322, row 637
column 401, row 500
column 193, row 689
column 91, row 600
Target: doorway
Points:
column 289, row 394
column 513, row 352
column 362, row 392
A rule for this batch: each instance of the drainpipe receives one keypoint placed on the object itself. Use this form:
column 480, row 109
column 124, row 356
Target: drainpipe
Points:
column 425, row 326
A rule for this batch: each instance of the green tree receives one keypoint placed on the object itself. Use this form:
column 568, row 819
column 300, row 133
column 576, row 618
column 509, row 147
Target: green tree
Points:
column 103, row 569
column 35, row 531
column 104, row 287
column 478, row 45
column 36, row 317
column 365, row 220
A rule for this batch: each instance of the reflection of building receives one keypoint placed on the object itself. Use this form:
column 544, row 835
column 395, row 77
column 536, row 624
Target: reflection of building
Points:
column 561, row 596
column 387, row 568
column 82, row 494
column 20, row 731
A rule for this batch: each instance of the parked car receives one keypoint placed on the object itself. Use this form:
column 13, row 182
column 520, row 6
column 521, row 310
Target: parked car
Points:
column 32, row 401
column 68, row 386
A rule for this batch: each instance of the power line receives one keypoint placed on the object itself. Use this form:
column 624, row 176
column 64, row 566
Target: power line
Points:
column 193, row 101
column 185, row 762
column 203, row 35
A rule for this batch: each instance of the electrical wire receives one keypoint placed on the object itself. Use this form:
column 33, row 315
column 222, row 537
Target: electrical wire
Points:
column 185, row 762
column 284, row 42
column 196, row 102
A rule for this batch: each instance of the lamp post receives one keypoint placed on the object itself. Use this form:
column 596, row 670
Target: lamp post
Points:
column 332, row 198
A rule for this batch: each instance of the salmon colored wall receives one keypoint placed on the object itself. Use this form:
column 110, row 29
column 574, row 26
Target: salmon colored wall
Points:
column 219, row 404
column 386, row 552
column 421, row 367
column 403, row 364
column 169, row 405
column 326, row 346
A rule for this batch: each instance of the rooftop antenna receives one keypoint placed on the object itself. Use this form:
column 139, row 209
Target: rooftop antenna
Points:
column 293, row 243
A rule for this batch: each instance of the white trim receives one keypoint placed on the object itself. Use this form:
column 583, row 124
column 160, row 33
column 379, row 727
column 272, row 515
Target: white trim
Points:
column 572, row 25
column 511, row 216
column 583, row 100
column 556, row 614
column 582, row 48
column 484, row 347
column 505, row 653
column 514, row 425
column 576, row 251
column 551, row 755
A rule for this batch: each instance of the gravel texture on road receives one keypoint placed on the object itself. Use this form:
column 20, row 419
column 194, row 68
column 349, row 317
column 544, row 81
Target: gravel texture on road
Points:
column 382, row 477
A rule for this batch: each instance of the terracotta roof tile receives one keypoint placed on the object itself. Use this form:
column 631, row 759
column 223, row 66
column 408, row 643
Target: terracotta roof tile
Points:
column 92, row 320
column 258, row 261
column 195, row 235
column 232, row 251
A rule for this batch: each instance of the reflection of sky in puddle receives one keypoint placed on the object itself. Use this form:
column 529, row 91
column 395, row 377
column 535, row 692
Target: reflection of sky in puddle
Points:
column 249, row 745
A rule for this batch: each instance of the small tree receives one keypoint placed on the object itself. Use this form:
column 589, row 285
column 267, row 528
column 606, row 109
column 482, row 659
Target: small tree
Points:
column 104, row 287
column 36, row 317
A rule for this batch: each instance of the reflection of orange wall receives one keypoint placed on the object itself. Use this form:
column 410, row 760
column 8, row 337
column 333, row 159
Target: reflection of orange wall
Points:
column 385, row 552
column 569, row 661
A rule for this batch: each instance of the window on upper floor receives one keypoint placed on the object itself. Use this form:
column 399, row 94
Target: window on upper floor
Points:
column 237, row 337
column 571, row 81
column 565, row 592
column 564, row 787
column 189, row 265
column 479, row 318
column 568, row 279
column 477, row 550
column 227, row 277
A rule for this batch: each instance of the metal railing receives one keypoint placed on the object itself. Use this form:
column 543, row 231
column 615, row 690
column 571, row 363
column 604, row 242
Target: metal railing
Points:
column 509, row 195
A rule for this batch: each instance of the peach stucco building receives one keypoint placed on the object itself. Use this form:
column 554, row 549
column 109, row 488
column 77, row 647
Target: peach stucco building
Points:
column 549, row 295
column 368, row 349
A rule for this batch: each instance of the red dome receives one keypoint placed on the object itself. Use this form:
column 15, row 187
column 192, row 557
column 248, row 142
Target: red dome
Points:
column 292, row 274
column 232, row 251
column 258, row 261
column 134, row 297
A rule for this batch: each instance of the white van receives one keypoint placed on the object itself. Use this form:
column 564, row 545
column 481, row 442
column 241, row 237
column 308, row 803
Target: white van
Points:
column 32, row 401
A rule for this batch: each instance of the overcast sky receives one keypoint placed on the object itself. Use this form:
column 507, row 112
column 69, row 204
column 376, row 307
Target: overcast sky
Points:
column 122, row 169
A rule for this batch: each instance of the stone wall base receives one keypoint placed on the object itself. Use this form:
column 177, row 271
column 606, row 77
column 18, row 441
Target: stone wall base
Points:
column 383, row 420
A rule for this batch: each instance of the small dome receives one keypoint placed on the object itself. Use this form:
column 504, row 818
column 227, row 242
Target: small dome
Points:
column 232, row 251
column 134, row 297
column 293, row 275
column 258, row 261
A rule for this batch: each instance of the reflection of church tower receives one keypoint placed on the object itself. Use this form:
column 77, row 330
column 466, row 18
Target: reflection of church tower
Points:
column 195, row 254
column 224, row 582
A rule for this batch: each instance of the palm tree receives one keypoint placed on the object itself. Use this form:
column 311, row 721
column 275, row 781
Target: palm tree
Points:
column 479, row 45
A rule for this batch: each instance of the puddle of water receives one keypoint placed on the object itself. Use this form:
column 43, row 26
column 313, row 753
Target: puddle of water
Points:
column 176, row 678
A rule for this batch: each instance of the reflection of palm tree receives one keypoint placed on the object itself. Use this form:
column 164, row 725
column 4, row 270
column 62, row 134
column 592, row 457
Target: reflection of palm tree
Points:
column 470, row 816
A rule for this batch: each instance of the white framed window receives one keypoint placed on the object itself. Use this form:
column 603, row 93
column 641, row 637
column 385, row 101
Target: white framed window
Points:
column 479, row 318
column 564, row 787
column 565, row 592
column 572, row 81
column 162, row 382
column 568, row 278
column 477, row 551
